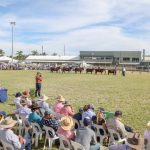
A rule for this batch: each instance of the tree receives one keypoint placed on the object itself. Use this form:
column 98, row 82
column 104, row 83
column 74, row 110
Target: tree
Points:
column 2, row 53
column 20, row 55
column 44, row 54
column 54, row 54
column 34, row 52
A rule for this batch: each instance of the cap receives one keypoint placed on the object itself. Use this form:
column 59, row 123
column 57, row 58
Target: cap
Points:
column 86, row 121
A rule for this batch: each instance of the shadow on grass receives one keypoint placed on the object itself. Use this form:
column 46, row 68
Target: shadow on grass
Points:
column 11, row 104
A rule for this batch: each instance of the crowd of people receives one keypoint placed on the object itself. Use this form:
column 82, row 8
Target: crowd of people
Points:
column 62, row 119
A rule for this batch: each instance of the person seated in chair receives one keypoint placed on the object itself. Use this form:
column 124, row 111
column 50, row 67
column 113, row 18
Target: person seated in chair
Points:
column 17, row 100
column 26, row 96
column 7, row 135
column 43, row 104
column 24, row 111
column 86, row 136
column 59, row 104
column 67, row 110
column 66, row 127
column 88, row 111
column 117, row 125
column 99, row 119
column 78, row 115
column 34, row 116
column 50, row 121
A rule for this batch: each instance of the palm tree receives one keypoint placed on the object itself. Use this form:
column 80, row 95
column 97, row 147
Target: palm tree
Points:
column 2, row 53
column 34, row 52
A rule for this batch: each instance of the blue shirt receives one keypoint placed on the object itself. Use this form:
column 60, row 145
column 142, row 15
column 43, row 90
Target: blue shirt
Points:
column 88, row 114
column 34, row 117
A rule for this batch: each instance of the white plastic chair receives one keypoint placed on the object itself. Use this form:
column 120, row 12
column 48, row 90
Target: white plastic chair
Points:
column 47, row 137
column 20, row 127
column 77, row 146
column 63, row 142
column 98, row 134
column 112, row 139
column 7, row 145
column 37, row 131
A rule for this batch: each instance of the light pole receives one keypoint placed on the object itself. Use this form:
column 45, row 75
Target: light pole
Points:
column 12, row 23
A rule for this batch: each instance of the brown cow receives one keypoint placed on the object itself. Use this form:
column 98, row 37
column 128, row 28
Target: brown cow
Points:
column 89, row 70
column 101, row 70
column 79, row 69
column 54, row 69
column 68, row 69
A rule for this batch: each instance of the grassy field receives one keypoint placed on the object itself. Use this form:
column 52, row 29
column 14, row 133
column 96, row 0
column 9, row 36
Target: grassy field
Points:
column 131, row 94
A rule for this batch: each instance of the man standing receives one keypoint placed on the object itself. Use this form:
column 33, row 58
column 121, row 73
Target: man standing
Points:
column 123, row 71
column 38, row 79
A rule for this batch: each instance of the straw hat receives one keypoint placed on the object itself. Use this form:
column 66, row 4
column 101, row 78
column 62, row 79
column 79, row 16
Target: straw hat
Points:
column 67, row 123
column 25, row 94
column 135, row 142
column 60, row 98
column 7, row 123
column 43, row 98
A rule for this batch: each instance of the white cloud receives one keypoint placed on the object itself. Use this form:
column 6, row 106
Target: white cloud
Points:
column 89, row 39
column 73, row 21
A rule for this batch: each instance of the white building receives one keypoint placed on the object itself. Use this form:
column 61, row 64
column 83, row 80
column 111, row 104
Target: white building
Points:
column 53, row 59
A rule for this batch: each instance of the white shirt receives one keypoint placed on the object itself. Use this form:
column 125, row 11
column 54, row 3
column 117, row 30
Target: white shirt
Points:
column 23, row 112
column 17, row 102
column 7, row 135
column 43, row 105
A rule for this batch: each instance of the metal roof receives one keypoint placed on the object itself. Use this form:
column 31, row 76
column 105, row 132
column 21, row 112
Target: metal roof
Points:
column 52, row 58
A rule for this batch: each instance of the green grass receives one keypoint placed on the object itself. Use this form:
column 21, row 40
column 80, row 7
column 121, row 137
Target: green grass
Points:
column 131, row 94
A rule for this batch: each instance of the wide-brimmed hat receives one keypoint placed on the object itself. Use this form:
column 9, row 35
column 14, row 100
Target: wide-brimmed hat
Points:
column 135, row 142
column 43, row 98
column 34, row 106
column 7, row 123
column 60, row 98
column 67, row 123
column 25, row 93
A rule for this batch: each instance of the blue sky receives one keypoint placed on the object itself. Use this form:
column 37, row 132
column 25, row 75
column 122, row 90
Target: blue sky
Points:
column 77, row 24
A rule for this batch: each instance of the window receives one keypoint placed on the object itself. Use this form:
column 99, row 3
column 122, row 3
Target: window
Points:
column 135, row 59
column 126, row 59
column 100, row 58
column 87, row 58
